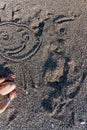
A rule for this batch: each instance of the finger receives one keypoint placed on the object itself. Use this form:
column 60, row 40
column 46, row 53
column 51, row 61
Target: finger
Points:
column 7, row 87
column 13, row 94
column 9, row 77
column 2, row 80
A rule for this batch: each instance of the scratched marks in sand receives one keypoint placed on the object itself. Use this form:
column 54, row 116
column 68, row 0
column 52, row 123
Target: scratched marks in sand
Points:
column 17, row 42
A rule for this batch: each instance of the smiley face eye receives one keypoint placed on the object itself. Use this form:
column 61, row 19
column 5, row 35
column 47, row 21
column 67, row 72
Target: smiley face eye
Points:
column 25, row 36
column 5, row 36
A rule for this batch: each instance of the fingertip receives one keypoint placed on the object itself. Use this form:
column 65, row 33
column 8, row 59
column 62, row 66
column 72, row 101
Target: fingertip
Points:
column 13, row 76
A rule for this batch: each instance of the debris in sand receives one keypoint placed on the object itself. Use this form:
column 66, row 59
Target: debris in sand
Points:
column 26, row 92
column 83, row 122
column 52, row 125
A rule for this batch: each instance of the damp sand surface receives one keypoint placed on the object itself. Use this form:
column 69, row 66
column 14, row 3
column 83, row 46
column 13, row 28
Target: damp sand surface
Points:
column 45, row 44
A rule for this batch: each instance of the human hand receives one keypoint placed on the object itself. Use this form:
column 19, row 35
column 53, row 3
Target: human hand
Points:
column 12, row 95
column 10, row 77
column 7, row 85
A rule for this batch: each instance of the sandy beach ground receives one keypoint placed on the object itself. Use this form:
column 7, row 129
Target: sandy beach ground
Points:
column 44, row 42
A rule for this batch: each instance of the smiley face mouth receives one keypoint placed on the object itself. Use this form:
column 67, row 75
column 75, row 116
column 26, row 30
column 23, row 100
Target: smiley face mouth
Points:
column 21, row 53
column 23, row 45
column 15, row 50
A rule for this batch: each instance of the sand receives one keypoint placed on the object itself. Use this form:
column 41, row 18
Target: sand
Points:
column 44, row 42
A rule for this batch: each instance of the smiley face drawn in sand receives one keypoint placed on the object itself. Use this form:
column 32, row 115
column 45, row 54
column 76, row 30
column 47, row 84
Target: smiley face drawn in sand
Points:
column 17, row 42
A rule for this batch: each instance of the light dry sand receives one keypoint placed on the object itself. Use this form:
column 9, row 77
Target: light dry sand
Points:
column 44, row 42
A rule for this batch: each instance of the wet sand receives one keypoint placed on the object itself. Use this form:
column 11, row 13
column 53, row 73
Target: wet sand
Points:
column 45, row 44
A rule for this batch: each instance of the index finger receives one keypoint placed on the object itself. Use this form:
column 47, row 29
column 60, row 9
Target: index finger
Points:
column 9, row 77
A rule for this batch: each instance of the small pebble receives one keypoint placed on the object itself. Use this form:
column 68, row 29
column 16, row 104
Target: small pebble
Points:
column 36, row 86
column 83, row 123
column 26, row 92
column 52, row 125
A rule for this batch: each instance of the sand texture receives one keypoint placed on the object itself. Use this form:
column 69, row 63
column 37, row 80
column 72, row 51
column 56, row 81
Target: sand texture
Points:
column 44, row 42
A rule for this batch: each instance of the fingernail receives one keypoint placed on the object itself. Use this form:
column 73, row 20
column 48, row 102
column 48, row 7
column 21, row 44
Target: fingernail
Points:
column 13, row 75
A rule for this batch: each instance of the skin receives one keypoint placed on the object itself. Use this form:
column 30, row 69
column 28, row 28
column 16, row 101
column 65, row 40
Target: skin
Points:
column 7, row 87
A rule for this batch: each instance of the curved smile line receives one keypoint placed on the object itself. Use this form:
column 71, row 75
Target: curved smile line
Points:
column 16, row 51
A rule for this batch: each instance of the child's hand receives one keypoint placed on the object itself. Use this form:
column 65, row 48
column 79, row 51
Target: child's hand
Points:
column 12, row 95
column 7, row 87
column 10, row 77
